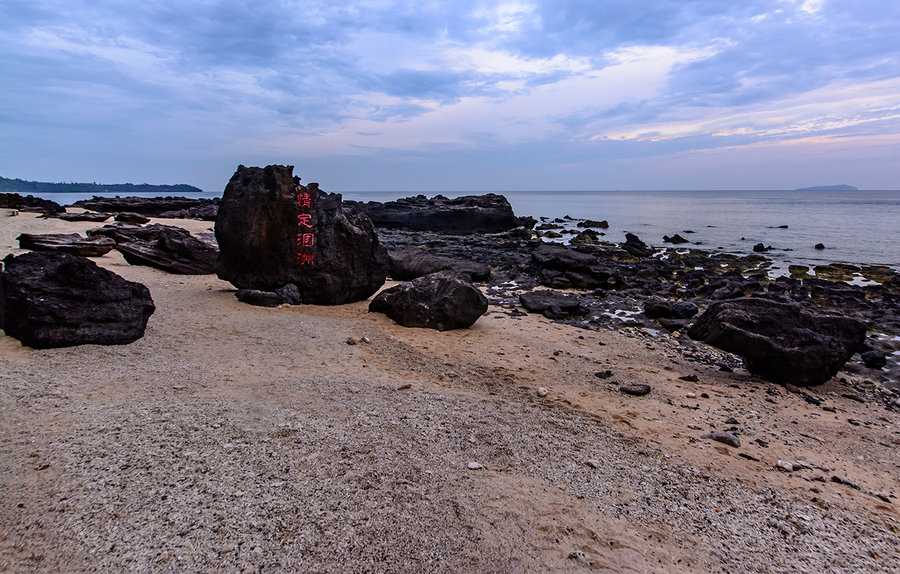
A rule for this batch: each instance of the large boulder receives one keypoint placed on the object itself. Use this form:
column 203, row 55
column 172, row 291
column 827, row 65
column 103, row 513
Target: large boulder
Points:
column 780, row 341
column 439, row 301
column 413, row 262
column 50, row 299
column 272, row 231
column 564, row 268
column 67, row 243
column 489, row 213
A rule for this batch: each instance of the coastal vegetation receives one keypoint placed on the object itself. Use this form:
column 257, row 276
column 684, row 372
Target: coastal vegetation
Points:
column 22, row 186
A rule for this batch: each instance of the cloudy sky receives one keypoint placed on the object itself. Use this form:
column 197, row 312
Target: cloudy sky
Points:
column 435, row 95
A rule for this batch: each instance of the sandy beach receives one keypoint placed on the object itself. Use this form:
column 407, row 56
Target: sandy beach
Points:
column 330, row 439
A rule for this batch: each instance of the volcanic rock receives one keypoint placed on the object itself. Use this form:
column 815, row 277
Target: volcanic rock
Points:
column 439, row 301
column 779, row 341
column 85, row 216
column 149, row 206
column 675, row 239
column 553, row 304
column 413, row 262
column 67, row 243
column 591, row 223
column 489, row 213
column 563, row 268
column 29, row 203
column 656, row 309
column 52, row 299
column 132, row 217
column 273, row 231
column 635, row 246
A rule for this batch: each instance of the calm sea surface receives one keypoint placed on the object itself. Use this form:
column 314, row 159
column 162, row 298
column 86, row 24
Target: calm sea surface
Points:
column 861, row 227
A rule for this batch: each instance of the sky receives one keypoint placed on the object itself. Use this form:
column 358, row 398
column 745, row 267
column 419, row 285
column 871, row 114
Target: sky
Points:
column 436, row 95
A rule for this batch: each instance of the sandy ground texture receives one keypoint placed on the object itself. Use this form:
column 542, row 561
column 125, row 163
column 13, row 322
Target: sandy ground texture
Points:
column 327, row 439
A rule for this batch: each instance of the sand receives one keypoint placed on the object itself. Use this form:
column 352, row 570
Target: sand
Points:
column 329, row 439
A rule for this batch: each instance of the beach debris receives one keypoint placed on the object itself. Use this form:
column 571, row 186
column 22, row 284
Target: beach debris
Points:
column 637, row 390
column 72, row 243
column 439, row 301
column 723, row 437
column 51, row 299
column 780, row 341
column 272, row 231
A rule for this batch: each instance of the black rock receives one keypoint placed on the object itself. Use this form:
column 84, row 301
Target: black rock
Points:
column 50, row 299
column 779, row 341
column 656, row 309
column 85, row 216
column 258, row 298
column 439, row 301
column 413, row 262
column 635, row 246
column 761, row 248
column 637, row 390
column 820, row 246
column 874, row 359
column 490, row 213
column 564, row 268
column 675, row 239
column 591, row 223
column 179, row 253
column 689, row 378
column 131, row 217
column 72, row 243
column 29, row 203
column 559, row 305
column 273, row 231
column 149, row 206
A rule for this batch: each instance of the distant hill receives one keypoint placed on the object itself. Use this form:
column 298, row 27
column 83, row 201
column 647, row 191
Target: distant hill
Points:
column 23, row 187
column 842, row 187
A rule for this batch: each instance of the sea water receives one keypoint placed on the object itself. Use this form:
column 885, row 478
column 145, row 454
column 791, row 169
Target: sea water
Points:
column 856, row 227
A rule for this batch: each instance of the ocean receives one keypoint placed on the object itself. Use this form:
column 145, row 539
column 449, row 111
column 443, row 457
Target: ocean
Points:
column 856, row 227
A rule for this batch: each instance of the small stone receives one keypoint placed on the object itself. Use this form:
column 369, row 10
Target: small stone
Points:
column 579, row 556
column 635, row 390
column 603, row 374
column 689, row 378
column 784, row 465
column 351, row 341
column 592, row 463
column 723, row 437
column 691, row 395
column 693, row 426
column 474, row 466
column 731, row 421
column 542, row 392
column 405, row 386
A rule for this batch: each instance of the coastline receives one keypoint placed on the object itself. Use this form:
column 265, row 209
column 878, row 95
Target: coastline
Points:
column 233, row 436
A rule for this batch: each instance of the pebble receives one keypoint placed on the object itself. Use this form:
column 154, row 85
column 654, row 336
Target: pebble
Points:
column 592, row 463
column 579, row 556
column 695, row 427
column 723, row 437
column 636, row 390
column 689, row 378
column 603, row 374
column 731, row 421
column 691, row 395
column 542, row 392
column 351, row 341
column 474, row 466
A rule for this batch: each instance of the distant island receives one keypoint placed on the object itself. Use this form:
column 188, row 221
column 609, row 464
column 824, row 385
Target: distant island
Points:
column 22, row 187
column 842, row 187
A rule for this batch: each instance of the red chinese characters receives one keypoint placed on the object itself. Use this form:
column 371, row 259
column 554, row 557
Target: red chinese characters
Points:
column 306, row 239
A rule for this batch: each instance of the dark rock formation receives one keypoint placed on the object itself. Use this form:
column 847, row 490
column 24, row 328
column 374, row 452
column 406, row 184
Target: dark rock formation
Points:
column 635, row 246
column 439, row 301
column 29, row 203
column 206, row 211
column 591, row 223
column 563, row 268
column 411, row 263
column 59, row 300
column 131, row 217
column 675, row 239
column 587, row 236
column 659, row 309
column 874, row 359
column 490, row 213
column 273, row 231
column 761, row 248
column 67, row 243
column 288, row 294
column 86, row 216
column 553, row 304
column 779, row 341
column 149, row 206
column 820, row 246
column 165, row 247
